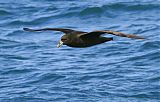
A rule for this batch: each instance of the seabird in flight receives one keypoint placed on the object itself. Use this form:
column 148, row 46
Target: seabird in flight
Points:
column 81, row 39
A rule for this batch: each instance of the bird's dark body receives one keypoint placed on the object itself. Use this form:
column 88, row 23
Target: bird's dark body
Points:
column 76, row 41
column 80, row 39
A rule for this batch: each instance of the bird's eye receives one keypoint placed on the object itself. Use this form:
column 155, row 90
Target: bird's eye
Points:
column 63, row 39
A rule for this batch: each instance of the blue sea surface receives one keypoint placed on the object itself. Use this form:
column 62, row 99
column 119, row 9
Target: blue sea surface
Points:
column 32, row 69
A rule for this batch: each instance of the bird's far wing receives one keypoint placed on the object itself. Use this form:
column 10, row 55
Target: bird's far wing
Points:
column 100, row 32
column 66, row 31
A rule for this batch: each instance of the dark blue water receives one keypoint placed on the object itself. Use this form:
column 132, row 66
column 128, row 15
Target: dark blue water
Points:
column 32, row 69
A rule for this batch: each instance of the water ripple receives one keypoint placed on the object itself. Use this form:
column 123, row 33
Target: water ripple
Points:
column 150, row 45
column 132, row 7
column 16, row 57
column 4, row 12
column 91, row 10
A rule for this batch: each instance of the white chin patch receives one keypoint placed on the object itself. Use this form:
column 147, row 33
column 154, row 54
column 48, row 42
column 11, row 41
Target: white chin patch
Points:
column 59, row 44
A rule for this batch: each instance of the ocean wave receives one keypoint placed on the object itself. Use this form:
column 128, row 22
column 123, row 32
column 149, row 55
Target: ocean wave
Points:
column 17, row 71
column 6, row 41
column 107, row 8
column 150, row 95
column 150, row 45
column 45, row 78
column 51, row 8
column 151, row 57
column 15, row 33
column 36, row 21
column 131, row 7
column 114, row 6
column 4, row 12
column 20, row 22
column 154, row 78
column 91, row 10
column 15, row 57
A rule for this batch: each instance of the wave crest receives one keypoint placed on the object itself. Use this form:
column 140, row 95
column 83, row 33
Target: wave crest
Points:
column 91, row 10
column 4, row 12
column 131, row 7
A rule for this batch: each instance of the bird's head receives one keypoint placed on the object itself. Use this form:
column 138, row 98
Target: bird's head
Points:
column 64, row 41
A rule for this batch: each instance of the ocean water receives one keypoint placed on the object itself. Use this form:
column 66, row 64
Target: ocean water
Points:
column 32, row 69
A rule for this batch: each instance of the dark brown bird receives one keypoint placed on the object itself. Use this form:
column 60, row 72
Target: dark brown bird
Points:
column 74, row 38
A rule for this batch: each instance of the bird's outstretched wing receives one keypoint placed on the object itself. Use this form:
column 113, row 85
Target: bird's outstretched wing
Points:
column 100, row 32
column 66, row 31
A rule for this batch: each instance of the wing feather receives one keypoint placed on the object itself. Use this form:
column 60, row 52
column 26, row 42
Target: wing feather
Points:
column 100, row 32
column 66, row 31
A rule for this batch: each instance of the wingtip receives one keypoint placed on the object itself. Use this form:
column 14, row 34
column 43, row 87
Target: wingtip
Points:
column 142, row 38
column 26, row 29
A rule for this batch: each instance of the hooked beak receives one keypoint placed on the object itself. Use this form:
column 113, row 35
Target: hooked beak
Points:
column 59, row 44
